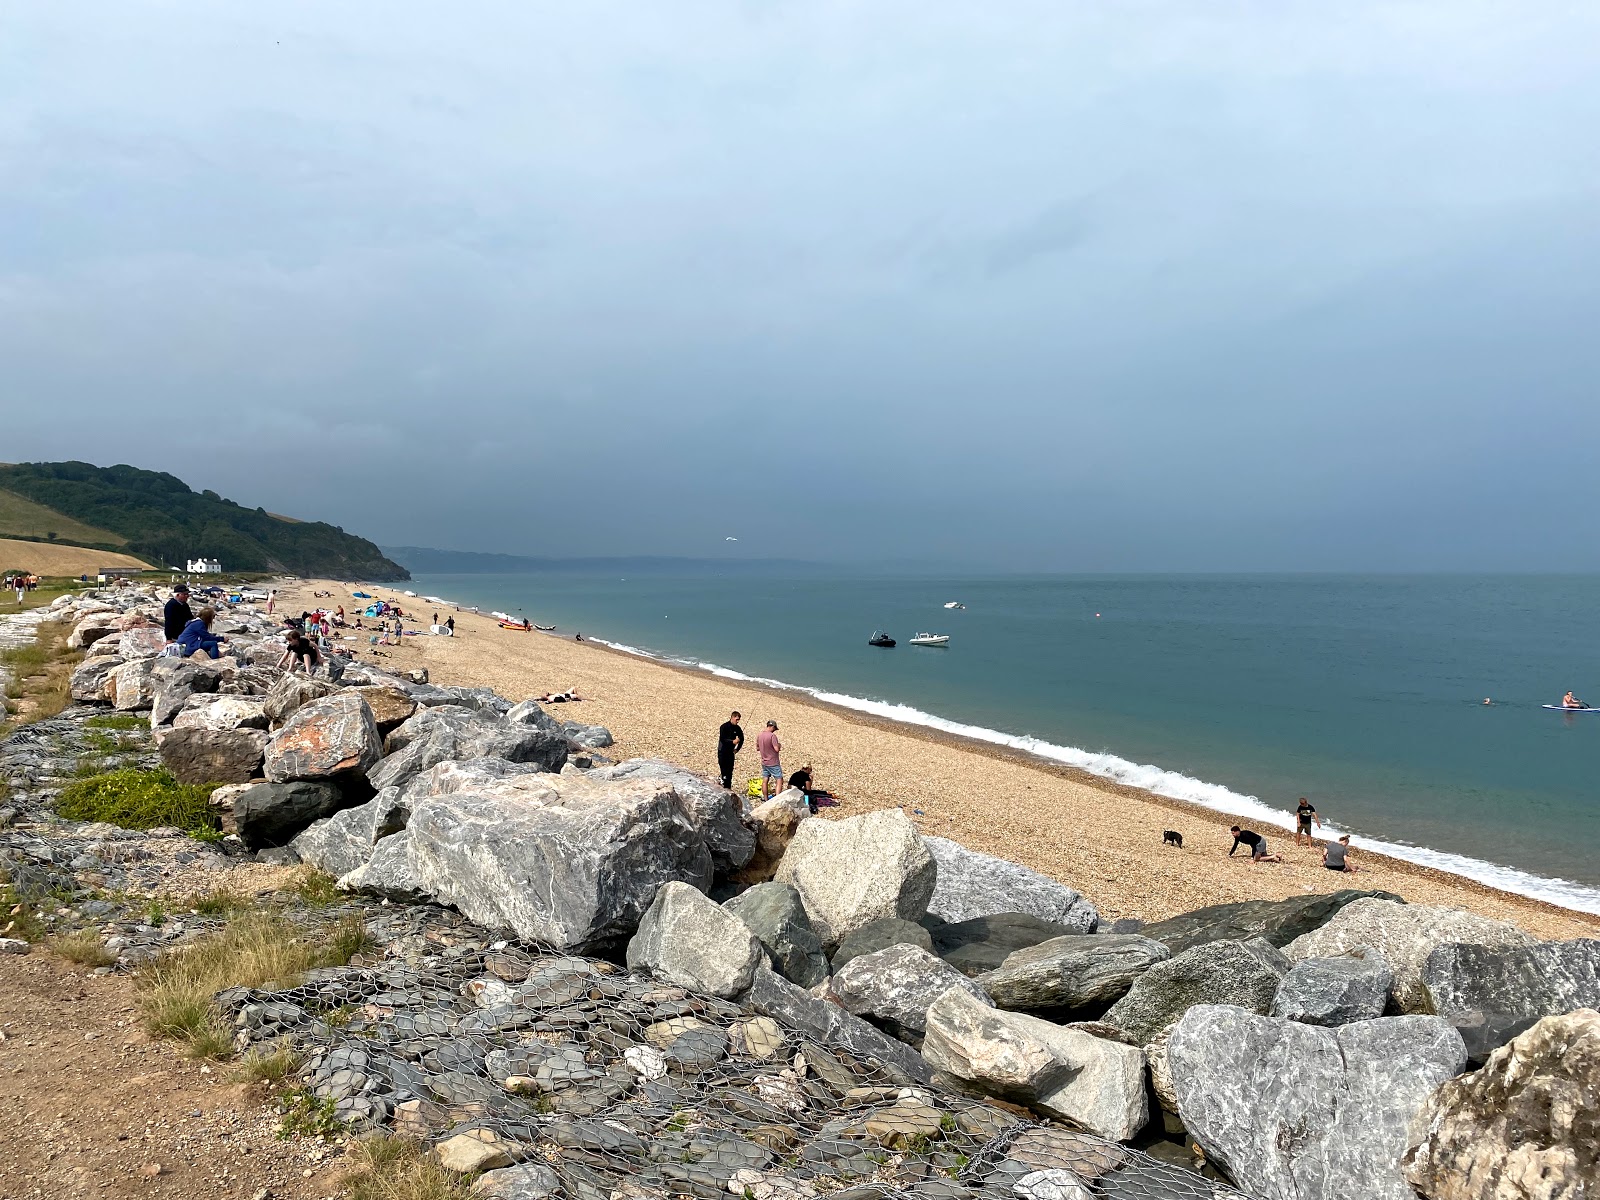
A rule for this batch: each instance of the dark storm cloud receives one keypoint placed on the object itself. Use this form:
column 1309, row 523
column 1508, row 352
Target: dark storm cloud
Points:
column 1152, row 285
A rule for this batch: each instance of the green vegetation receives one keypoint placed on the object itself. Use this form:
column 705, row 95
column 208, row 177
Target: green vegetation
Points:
column 163, row 521
column 305, row 1113
column 83, row 947
column 19, row 917
column 254, row 949
column 141, row 800
column 117, row 722
column 387, row 1167
column 40, row 683
column 269, row 1064
column 317, row 889
column 22, row 518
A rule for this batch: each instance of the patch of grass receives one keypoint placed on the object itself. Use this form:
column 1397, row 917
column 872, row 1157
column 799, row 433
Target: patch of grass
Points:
column 119, row 722
column 317, row 889
column 140, row 800
column 387, row 1167
column 84, row 948
column 41, row 674
column 18, row 916
column 218, row 903
column 255, row 949
column 269, row 1064
column 305, row 1113
column 350, row 937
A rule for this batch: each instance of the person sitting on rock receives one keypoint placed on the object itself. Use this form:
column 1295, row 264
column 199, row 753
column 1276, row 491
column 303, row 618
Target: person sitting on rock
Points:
column 299, row 651
column 197, row 635
column 175, row 616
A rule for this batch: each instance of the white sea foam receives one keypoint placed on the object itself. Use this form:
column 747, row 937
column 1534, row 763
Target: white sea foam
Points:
column 1172, row 785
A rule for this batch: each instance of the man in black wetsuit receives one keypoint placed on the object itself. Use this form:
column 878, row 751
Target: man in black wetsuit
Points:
column 730, row 740
column 176, row 614
column 1253, row 842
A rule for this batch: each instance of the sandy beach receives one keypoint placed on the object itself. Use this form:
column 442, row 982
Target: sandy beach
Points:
column 1096, row 836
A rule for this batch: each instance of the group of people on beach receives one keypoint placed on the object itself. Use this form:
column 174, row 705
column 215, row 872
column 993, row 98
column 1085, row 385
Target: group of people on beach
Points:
column 730, row 740
column 1335, row 855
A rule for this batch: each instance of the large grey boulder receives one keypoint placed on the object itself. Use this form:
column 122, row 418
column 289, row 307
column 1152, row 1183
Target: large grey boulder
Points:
column 220, row 712
column 1335, row 991
column 773, row 823
column 880, row 935
column 443, row 734
column 773, row 912
column 531, row 712
column 590, row 737
column 1403, row 935
column 896, row 986
column 852, row 872
column 1525, row 1127
column 1298, row 1112
column 1522, row 982
column 324, row 739
column 133, row 685
column 391, row 706
column 290, row 692
column 972, row 885
column 1246, row 974
column 561, row 859
column 387, row 873
column 1067, row 1073
column 210, row 756
column 177, row 679
column 771, row 995
column 687, row 939
column 1278, row 921
column 1074, row 971
column 89, row 678
column 338, row 844
column 270, row 814
column 714, row 810
column 984, row 943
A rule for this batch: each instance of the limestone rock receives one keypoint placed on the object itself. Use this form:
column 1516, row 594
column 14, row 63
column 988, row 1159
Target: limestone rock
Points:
column 774, row 822
column 590, row 737
column 1278, row 921
column 270, row 814
column 1246, row 974
column 714, row 810
column 325, row 738
column 91, row 629
column 141, row 641
column 1060, row 1072
column 1074, row 971
column 177, row 679
column 1520, row 982
column 89, row 677
column 1299, row 1112
column 474, row 1150
column 687, row 939
column 1335, row 991
column 387, row 873
column 984, row 943
column 390, row 706
column 773, row 996
column 447, row 733
column 344, row 841
column 1403, row 935
column 568, row 861
column 1525, row 1127
column 854, row 871
column 880, row 935
column 531, row 712
column 133, row 685
column 972, row 885
column 527, row 1181
column 773, row 912
column 896, row 986
column 291, row 691
column 220, row 713
column 209, row 756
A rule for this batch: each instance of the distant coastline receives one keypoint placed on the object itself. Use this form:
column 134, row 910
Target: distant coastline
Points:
column 425, row 560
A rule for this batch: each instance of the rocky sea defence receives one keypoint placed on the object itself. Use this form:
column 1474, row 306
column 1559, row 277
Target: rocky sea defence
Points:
column 597, row 979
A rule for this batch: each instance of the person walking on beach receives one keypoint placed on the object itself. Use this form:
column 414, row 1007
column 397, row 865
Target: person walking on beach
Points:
column 1333, row 855
column 1255, row 843
column 769, row 747
column 730, row 740
column 272, row 601
column 1304, row 814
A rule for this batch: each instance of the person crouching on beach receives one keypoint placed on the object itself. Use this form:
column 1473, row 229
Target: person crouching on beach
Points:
column 1255, row 843
column 769, row 747
column 197, row 635
column 299, row 651
column 1333, row 855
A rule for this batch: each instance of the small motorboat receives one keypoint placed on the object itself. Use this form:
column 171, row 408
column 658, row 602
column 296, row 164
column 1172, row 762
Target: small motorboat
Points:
column 954, row 604
column 545, row 628
column 930, row 639
column 519, row 626
column 880, row 638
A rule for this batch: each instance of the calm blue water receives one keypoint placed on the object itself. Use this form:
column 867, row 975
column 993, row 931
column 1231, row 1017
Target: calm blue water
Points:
column 1364, row 693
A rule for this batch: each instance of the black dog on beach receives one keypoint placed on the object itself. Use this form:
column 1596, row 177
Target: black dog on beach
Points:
column 1172, row 838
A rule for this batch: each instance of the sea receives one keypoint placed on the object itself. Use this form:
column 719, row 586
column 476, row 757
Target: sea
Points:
column 1239, row 693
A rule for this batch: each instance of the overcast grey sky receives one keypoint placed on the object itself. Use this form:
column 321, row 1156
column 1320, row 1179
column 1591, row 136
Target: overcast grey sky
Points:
column 1098, row 286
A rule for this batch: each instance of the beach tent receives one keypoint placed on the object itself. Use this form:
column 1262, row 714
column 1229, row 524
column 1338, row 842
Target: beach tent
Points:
column 374, row 610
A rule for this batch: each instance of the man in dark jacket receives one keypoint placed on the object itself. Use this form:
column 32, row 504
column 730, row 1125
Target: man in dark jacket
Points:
column 730, row 740
column 177, row 615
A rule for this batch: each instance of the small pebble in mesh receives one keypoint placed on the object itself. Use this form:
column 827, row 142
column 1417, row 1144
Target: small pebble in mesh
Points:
column 602, row 1085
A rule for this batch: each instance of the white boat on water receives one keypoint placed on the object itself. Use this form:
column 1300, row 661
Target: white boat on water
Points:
column 930, row 639
column 955, row 604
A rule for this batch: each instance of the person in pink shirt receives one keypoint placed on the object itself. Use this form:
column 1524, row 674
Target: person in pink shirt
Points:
column 769, row 747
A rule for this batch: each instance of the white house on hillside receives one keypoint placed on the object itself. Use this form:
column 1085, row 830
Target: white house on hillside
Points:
column 204, row 566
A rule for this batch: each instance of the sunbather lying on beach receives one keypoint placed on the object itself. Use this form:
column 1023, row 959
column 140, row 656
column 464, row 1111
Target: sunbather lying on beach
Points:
column 558, row 697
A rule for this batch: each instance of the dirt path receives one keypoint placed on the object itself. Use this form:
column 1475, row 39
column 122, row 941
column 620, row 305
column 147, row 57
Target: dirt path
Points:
column 90, row 1106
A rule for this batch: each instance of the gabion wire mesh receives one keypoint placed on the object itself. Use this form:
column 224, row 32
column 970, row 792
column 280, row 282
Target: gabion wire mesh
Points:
column 610, row 1086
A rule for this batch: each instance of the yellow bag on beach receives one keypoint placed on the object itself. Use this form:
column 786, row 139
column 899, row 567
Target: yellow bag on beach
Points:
column 753, row 788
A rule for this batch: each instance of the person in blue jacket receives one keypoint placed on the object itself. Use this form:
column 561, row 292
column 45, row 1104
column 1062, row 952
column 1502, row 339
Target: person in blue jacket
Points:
column 197, row 634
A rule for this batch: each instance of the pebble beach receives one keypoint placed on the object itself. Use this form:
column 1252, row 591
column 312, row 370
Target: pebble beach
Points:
column 1100, row 838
